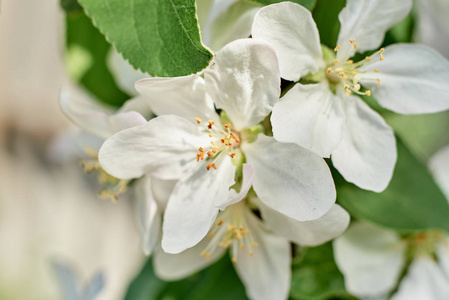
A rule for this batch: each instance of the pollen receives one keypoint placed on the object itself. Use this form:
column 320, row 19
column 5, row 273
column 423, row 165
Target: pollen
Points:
column 211, row 123
column 198, row 120
column 211, row 165
column 353, row 42
column 368, row 93
column 337, row 48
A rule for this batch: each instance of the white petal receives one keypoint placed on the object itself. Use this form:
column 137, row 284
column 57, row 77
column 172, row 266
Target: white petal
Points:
column 234, row 197
column 139, row 104
column 414, row 79
column 308, row 233
column 232, row 24
column 367, row 154
column 266, row 274
column 165, row 146
column 290, row 179
column 366, row 22
column 310, row 116
column 370, row 258
column 439, row 165
column 178, row 266
column 443, row 256
column 162, row 190
column 182, row 96
column 244, row 81
column 95, row 118
column 291, row 30
column 149, row 214
column 124, row 74
column 190, row 211
column 424, row 280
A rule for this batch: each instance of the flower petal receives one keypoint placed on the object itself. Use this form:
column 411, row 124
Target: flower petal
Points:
column 149, row 214
column 190, row 211
column 291, row 30
column 370, row 258
column 266, row 274
column 165, row 146
column 182, row 96
column 424, row 280
column 234, row 197
column 290, row 179
column 310, row 116
column 367, row 154
column 439, row 165
column 139, row 104
column 178, row 266
column 308, row 233
column 366, row 22
column 443, row 256
column 413, row 80
column 95, row 118
column 244, row 81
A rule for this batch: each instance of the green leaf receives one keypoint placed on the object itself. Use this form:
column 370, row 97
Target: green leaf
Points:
column 309, row 4
column 71, row 6
column 86, row 60
column 316, row 276
column 218, row 282
column 325, row 15
column 412, row 201
column 159, row 37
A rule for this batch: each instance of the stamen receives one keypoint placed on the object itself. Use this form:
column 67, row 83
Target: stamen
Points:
column 336, row 61
column 211, row 165
column 354, row 44
column 368, row 93
column 378, row 81
column 348, row 92
column 329, row 70
column 198, row 120
column 210, row 124
column 227, row 125
column 376, row 70
column 337, row 48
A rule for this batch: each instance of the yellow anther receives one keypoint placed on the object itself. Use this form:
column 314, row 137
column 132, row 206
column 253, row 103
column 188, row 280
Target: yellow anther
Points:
column 234, row 260
column 242, row 247
column 348, row 92
column 251, row 253
column 376, row 70
column 382, row 58
column 378, row 81
column 337, row 48
column 345, row 77
column 210, row 124
column 222, row 141
column 381, row 51
column 91, row 153
column 336, row 61
column 329, row 70
column 341, row 74
column 367, row 58
column 210, row 135
column 203, row 253
column 210, row 234
column 353, row 73
column 227, row 125
column 232, row 155
column 350, row 62
column 209, row 153
column 198, row 157
column 368, row 93
column 198, row 120
column 211, row 165
column 208, row 256
column 346, row 87
column 236, row 138
column 254, row 244
column 354, row 43
column 220, row 222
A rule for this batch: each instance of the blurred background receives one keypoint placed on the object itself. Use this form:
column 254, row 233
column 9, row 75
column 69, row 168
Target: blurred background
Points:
column 49, row 210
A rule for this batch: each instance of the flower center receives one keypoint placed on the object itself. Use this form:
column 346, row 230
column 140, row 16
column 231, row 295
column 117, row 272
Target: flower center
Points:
column 349, row 73
column 112, row 186
column 223, row 142
column 425, row 243
column 230, row 230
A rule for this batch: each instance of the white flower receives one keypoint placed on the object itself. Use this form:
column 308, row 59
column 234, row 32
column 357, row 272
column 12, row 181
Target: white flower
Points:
column 439, row 165
column 99, row 122
column 372, row 259
column 244, row 82
column 260, row 250
column 325, row 117
column 432, row 24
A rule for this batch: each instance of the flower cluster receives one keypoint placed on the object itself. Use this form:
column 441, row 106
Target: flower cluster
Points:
column 223, row 162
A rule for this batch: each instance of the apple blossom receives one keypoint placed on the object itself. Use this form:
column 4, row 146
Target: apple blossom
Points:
column 324, row 115
column 189, row 141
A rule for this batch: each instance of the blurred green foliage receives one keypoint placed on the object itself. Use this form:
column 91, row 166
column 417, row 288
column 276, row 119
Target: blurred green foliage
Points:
column 412, row 201
column 218, row 282
column 89, row 46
